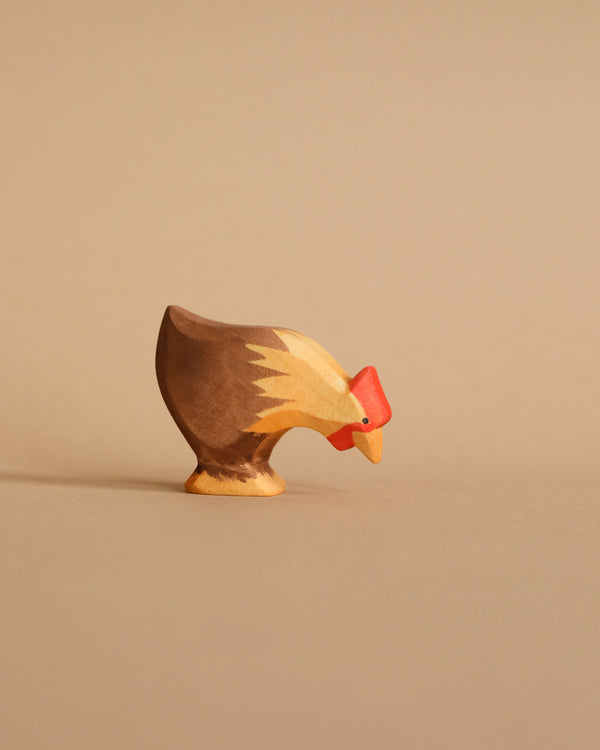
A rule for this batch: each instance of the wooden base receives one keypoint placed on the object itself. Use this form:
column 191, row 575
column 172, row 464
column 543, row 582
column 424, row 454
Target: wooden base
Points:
column 262, row 485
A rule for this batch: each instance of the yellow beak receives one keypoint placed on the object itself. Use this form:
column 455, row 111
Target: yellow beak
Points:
column 369, row 443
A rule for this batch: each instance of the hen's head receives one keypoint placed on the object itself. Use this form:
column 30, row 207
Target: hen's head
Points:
column 317, row 393
column 365, row 432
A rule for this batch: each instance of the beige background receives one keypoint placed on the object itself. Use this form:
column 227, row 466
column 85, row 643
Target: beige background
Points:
column 415, row 186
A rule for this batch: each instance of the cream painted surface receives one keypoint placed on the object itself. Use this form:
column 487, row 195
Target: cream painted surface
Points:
column 302, row 346
column 314, row 385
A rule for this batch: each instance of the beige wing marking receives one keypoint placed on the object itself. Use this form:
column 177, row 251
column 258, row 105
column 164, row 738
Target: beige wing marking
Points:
column 314, row 385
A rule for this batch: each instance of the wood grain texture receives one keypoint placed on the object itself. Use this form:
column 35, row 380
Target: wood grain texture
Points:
column 233, row 391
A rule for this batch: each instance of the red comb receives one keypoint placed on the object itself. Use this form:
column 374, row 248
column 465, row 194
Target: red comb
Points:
column 367, row 389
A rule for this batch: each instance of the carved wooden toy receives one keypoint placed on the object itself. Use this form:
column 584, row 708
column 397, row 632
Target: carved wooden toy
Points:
column 235, row 390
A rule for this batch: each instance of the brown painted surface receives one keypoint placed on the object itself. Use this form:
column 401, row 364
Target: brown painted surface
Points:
column 206, row 377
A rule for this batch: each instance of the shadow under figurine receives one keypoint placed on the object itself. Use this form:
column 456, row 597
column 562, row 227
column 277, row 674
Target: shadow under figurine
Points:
column 235, row 390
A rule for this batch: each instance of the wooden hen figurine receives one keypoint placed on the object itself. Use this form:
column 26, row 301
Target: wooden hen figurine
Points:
column 235, row 390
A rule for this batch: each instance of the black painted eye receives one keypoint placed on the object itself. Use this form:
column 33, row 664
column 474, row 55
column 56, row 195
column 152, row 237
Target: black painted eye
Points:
column 365, row 420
